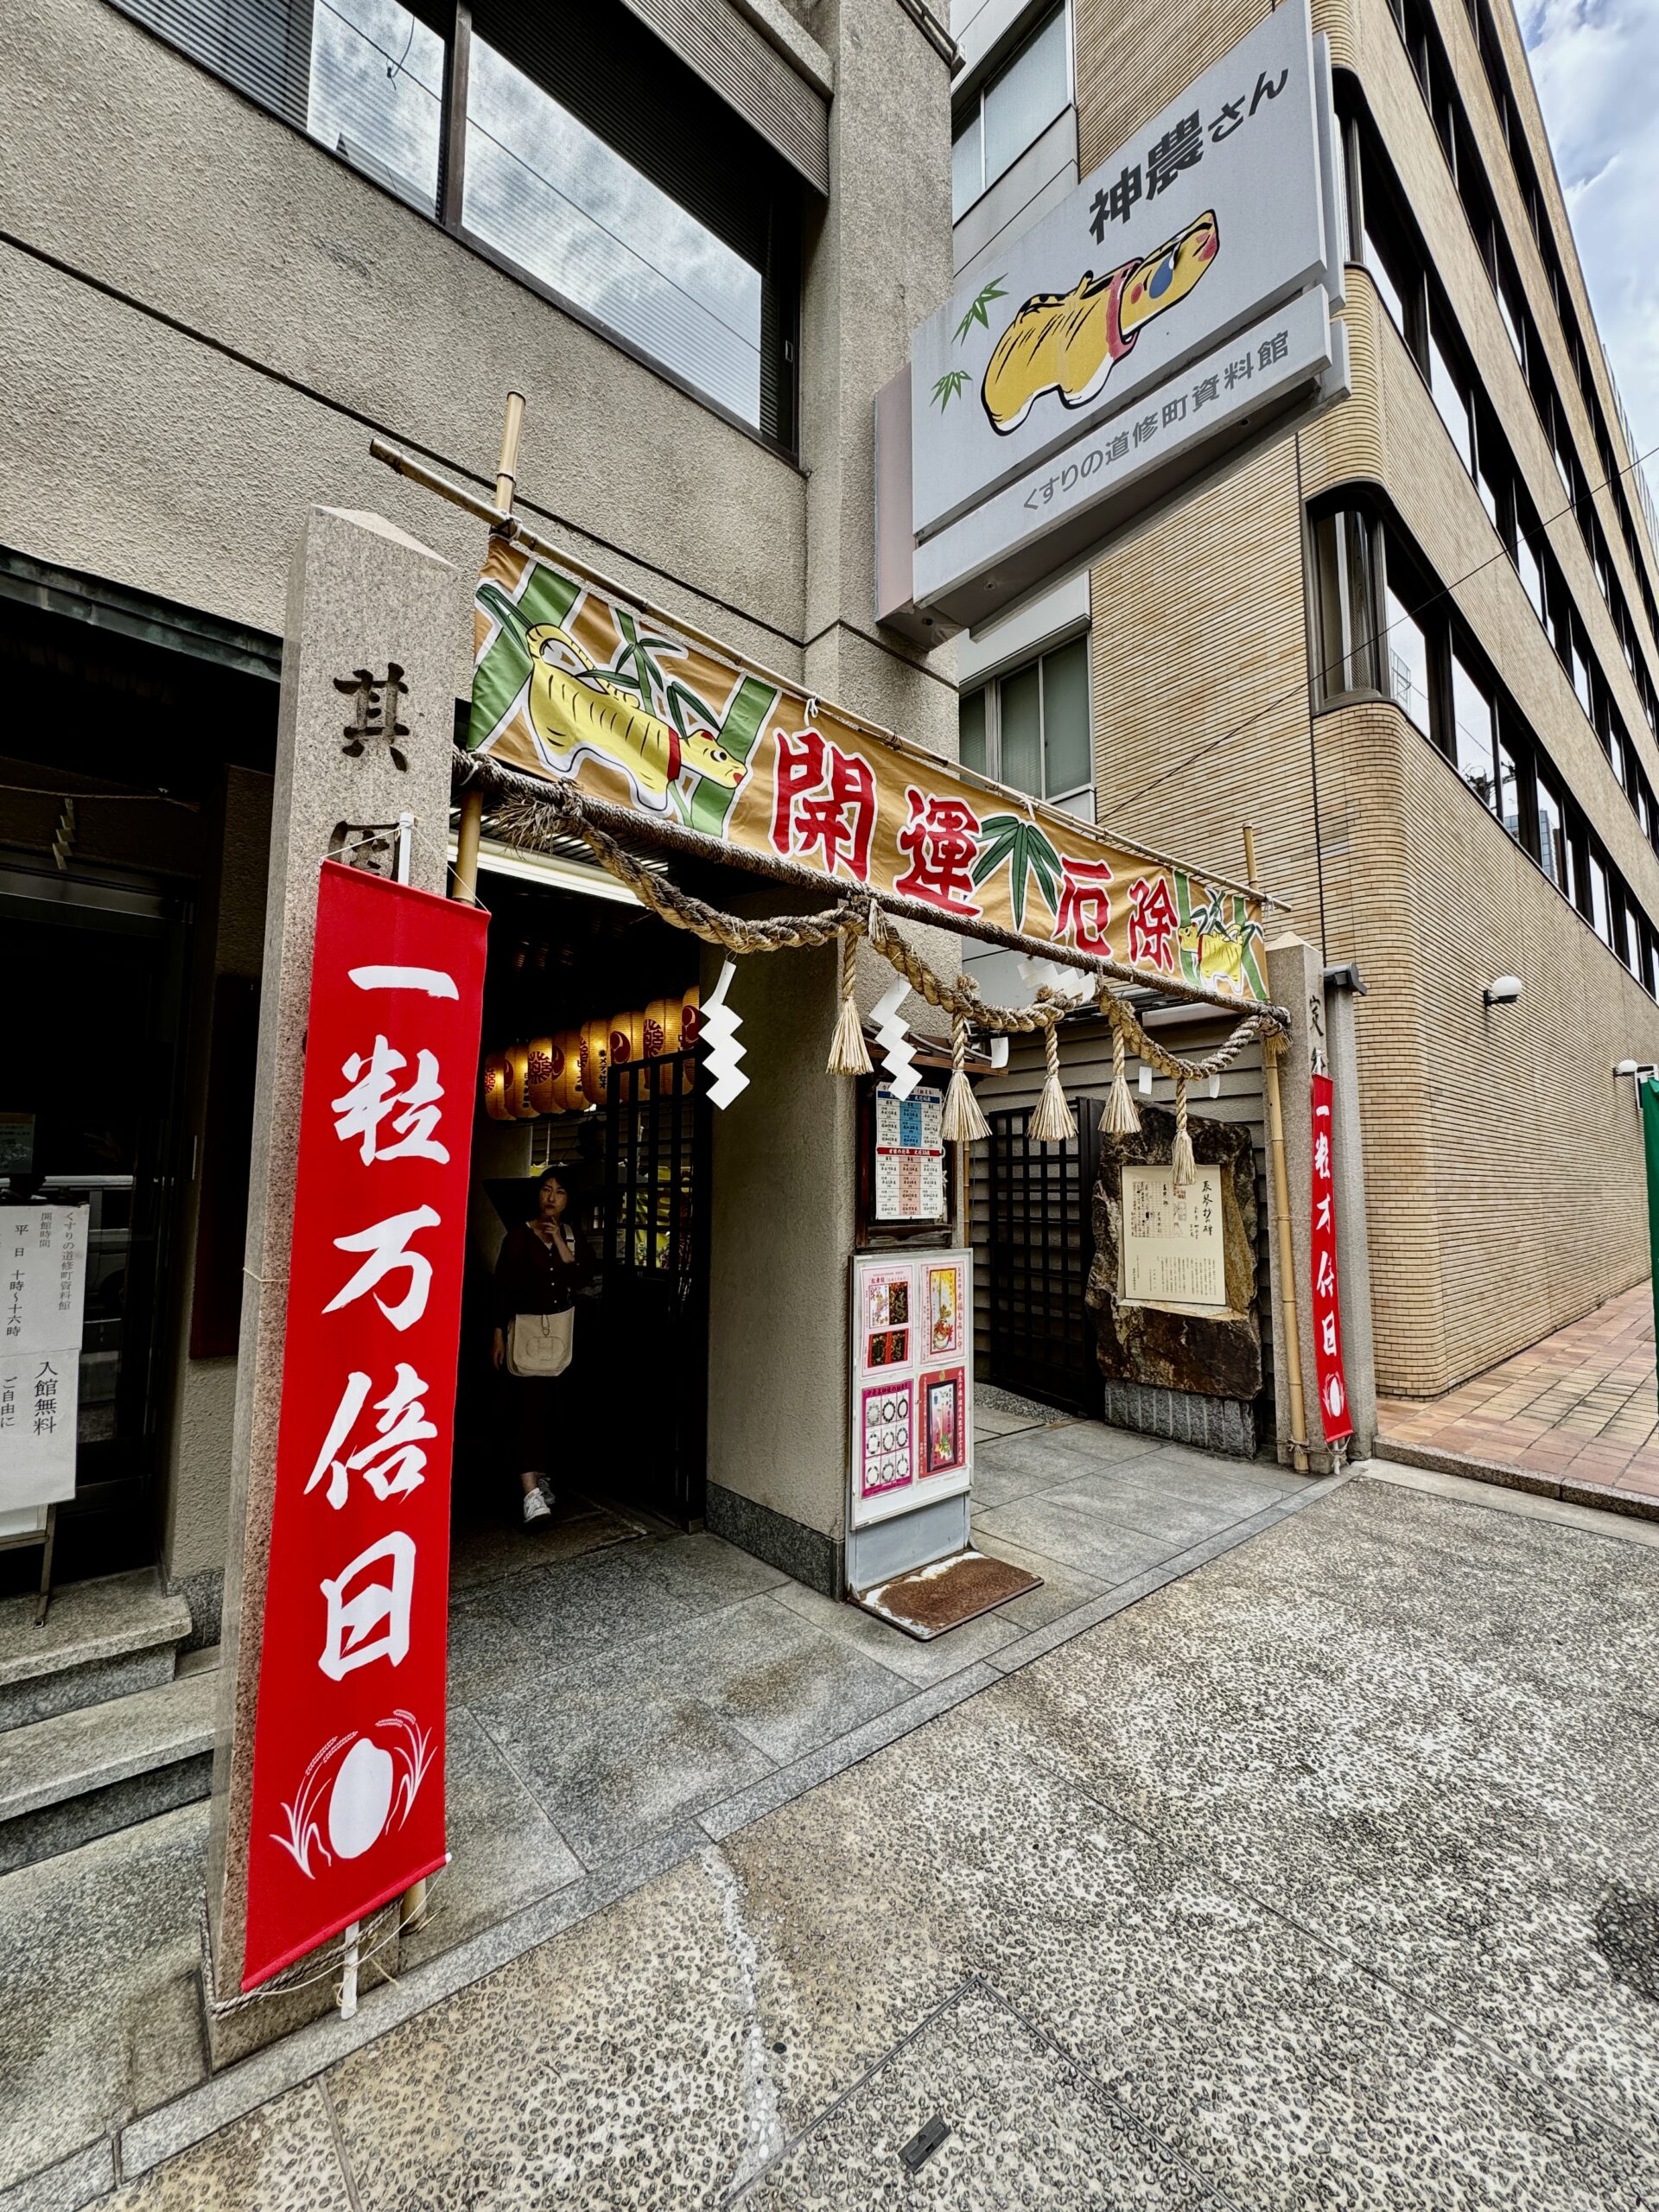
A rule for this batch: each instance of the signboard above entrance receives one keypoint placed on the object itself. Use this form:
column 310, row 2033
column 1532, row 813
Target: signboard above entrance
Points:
column 1121, row 334
column 571, row 682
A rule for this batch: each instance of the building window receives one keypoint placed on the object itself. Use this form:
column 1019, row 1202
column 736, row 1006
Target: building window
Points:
column 1010, row 112
column 594, row 162
column 1601, row 910
column 1554, row 854
column 1509, row 793
column 1391, row 266
column 1407, row 656
column 1344, row 586
column 1030, row 728
column 363, row 78
column 1526, row 555
column 1581, row 670
column 654, row 215
column 1474, row 733
column 1452, row 397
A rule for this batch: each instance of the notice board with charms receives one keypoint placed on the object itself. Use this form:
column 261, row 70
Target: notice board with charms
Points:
column 912, row 1371
column 1173, row 1245
column 909, row 1178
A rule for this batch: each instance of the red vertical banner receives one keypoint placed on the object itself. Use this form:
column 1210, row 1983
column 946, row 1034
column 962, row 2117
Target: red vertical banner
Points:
column 1327, row 1316
column 349, row 1727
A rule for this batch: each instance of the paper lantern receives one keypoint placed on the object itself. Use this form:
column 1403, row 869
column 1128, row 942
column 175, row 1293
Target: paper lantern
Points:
column 662, row 1037
column 567, row 1073
column 544, row 1095
column 627, row 1042
column 495, row 1088
column 594, row 1059
column 518, row 1101
column 690, row 1031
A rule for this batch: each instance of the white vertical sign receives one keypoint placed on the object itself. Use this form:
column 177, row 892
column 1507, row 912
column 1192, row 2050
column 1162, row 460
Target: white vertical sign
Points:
column 42, row 1298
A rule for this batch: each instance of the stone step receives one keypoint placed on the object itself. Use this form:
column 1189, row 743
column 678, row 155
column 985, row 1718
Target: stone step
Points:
column 103, row 1767
column 101, row 1640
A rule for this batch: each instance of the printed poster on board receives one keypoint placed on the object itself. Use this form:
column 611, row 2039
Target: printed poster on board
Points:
column 911, row 1381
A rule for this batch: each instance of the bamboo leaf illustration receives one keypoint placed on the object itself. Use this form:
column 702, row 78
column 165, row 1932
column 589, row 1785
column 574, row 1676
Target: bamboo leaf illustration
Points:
column 976, row 313
column 1021, row 847
column 948, row 387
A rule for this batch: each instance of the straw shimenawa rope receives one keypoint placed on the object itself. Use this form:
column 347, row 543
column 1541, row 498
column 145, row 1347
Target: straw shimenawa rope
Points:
column 523, row 820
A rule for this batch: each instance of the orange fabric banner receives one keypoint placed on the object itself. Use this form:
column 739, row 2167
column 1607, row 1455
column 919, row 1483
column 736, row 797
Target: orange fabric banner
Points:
column 571, row 682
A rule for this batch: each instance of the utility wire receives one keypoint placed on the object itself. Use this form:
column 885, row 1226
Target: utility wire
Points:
column 1287, row 698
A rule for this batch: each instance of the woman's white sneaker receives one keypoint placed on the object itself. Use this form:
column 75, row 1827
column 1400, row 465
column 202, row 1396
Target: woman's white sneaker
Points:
column 536, row 1507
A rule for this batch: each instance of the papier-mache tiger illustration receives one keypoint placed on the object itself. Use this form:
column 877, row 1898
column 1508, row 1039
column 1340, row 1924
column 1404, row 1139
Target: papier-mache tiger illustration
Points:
column 1069, row 342
column 579, row 710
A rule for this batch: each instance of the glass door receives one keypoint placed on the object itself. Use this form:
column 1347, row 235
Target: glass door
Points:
column 89, row 1101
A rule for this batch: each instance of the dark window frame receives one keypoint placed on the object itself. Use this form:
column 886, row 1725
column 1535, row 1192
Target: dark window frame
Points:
column 451, row 22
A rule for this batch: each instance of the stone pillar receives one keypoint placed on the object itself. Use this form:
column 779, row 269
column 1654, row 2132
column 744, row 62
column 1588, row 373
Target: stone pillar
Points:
column 361, row 595
column 1295, row 982
column 1342, row 985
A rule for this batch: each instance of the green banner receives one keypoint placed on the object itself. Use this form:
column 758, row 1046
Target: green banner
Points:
column 1649, row 1090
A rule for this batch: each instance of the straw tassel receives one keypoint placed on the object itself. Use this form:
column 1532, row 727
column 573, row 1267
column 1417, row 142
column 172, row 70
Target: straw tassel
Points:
column 1052, row 1121
column 1183, row 1167
column 1122, row 1120
column 963, row 1122
column 849, row 1054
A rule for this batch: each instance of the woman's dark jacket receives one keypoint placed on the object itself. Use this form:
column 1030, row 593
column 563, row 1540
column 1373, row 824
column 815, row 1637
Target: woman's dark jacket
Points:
column 531, row 1279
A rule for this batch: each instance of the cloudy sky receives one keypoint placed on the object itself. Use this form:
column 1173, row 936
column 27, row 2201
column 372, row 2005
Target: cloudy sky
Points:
column 1597, row 66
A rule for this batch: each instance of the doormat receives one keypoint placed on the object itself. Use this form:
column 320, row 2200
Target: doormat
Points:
column 929, row 1600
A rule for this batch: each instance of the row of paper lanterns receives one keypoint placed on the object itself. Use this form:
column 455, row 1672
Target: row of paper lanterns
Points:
column 568, row 1073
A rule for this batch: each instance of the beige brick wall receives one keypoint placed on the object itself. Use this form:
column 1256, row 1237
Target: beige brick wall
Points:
column 1504, row 1191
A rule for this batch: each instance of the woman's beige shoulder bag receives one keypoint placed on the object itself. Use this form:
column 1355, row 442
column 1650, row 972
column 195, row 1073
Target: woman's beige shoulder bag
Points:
column 539, row 1343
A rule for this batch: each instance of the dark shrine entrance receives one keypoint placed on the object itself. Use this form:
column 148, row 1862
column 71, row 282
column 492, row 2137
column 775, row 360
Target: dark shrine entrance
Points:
column 1041, row 1246
column 572, row 956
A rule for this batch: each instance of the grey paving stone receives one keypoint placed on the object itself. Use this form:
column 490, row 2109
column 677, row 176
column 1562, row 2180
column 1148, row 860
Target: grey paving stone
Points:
column 606, row 2068
column 1025, row 2127
column 1020, row 1466
column 1073, row 1532
column 583, row 1610
column 728, row 1814
column 496, row 1551
column 703, row 1572
column 918, row 1663
column 281, row 2158
column 485, row 1648
column 1119, row 1495
column 76, row 2181
column 1177, row 1469
column 1063, row 1589
column 765, row 1670
column 504, row 1851
column 612, row 1759
column 88, row 1621
column 98, row 1953
column 96, row 1745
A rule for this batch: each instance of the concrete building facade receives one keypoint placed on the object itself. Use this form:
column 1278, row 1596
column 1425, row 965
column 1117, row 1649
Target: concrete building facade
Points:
column 240, row 243
column 1417, row 648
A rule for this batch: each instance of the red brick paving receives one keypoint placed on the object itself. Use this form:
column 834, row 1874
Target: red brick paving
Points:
column 1581, row 1406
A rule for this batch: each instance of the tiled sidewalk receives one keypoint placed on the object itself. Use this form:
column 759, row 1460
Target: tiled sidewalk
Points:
column 1575, row 1412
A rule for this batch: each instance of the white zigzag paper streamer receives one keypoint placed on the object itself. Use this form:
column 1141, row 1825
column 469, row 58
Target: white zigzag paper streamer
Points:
column 719, row 1027
column 890, row 1034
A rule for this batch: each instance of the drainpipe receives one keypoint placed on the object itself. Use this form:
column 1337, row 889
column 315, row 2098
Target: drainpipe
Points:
column 1284, row 1246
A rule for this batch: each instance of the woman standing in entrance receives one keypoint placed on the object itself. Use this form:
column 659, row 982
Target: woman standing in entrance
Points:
column 542, row 1264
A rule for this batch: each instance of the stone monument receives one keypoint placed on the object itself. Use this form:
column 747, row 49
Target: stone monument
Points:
column 1186, row 1363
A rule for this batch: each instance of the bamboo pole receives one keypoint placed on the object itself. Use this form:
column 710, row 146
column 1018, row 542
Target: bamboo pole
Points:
column 471, row 824
column 1284, row 1244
